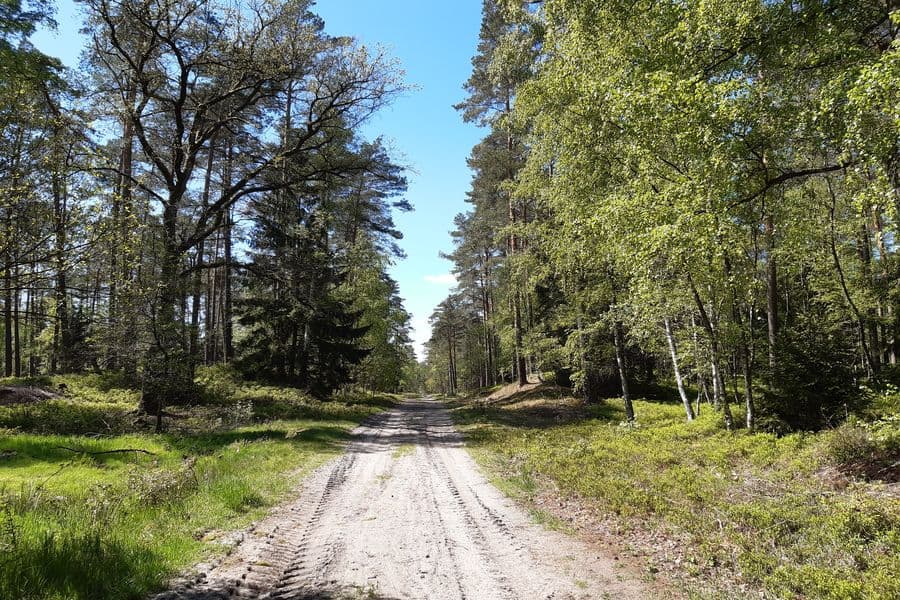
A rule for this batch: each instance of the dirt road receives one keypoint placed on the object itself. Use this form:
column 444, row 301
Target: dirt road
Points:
column 405, row 513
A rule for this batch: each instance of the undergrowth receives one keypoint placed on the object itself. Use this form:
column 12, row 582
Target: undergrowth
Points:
column 93, row 505
column 802, row 515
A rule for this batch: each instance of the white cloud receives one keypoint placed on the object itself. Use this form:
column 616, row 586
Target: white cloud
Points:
column 421, row 334
column 444, row 279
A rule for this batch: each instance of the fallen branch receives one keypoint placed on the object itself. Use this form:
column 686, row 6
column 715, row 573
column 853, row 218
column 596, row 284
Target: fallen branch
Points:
column 52, row 475
column 118, row 451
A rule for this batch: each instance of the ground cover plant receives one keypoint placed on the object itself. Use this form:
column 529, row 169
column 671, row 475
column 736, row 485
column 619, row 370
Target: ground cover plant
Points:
column 107, row 509
column 808, row 515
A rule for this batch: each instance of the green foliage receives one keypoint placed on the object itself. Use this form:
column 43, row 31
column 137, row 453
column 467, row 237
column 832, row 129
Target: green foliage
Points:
column 730, row 171
column 867, row 449
column 218, row 383
column 91, row 404
column 816, row 383
column 314, row 310
column 79, row 522
column 106, row 269
column 373, row 294
column 19, row 61
column 756, row 508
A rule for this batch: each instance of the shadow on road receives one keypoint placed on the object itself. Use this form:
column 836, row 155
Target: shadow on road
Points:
column 228, row 592
column 415, row 422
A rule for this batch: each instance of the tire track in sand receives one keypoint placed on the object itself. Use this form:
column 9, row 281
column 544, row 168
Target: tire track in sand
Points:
column 405, row 514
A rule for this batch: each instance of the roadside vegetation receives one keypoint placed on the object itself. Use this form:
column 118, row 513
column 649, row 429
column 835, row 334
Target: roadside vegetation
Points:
column 198, row 192
column 803, row 515
column 94, row 505
column 680, row 208
column 670, row 194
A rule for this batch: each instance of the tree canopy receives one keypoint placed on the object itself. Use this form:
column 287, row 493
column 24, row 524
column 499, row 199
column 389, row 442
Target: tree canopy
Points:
column 709, row 188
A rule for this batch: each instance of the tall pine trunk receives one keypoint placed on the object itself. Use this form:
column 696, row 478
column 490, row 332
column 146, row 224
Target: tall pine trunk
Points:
column 771, row 293
column 17, row 338
column 62, row 328
column 197, row 291
column 228, row 301
column 120, row 208
column 212, row 312
column 7, row 315
column 31, row 322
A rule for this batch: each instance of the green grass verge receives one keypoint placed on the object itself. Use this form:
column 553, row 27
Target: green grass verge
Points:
column 80, row 522
column 798, row 516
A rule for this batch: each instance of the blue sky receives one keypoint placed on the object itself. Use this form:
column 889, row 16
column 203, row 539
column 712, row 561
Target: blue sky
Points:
column 434, row 42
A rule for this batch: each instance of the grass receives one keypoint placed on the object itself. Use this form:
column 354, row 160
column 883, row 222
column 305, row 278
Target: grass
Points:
column 796, row 516
column 78, row 521
column 404, row 450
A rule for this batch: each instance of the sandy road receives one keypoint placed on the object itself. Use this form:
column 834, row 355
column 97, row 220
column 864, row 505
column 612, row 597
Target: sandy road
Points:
column 405, row 513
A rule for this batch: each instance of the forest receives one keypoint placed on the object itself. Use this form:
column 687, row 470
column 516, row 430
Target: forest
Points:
column 702, row 194
column 667, row 367
column 195, row 242
column 199, row 193
column 676, row 322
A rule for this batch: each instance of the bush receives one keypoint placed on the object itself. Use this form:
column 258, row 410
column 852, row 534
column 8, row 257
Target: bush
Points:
column 815, row 383
column 65, row 417
column 218, row 383
column 867, row 450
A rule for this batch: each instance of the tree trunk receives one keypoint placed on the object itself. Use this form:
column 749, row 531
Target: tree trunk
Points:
column 167, row 370
column 868, row 362
column 623, row 375
column 112, row 319
column 771, row 293
column 678, row 380
column 184, row 320
column 745, row 356
column 62, row 328
column 32, row 321
column 864, row 252
column 197, row 291
column 55, row 349
column 701, row 391
column 886, row 313
column 17, row 339
column 701, row 381
column 451, row 364
column 212, row 313
column 228, row 302
column 714, row 372
column 590, row 382
column 743, row 351
column 718, row 381
column 748, row 391
column 720, row 384
column 520, row 353
column 7, row 320
column 197, row 295
column 120, row 204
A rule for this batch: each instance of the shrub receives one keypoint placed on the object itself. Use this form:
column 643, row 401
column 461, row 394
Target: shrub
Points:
column 867, row 450
column 68, row 418
column 816, row 386
column 218, row 383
